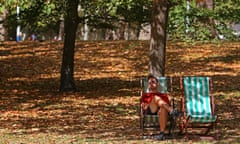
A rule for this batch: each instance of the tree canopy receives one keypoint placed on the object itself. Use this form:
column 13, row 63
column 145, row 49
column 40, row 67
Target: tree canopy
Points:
column 41, row 15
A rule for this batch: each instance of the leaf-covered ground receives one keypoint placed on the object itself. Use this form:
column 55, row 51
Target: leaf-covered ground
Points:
column 107, row 74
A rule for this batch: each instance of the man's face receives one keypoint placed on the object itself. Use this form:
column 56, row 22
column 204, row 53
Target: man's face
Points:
column 152, row 83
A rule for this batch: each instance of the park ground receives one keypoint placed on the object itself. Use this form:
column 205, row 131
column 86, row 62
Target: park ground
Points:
column 107, row 74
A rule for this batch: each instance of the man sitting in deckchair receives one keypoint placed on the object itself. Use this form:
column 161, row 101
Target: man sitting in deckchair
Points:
column 156, row 103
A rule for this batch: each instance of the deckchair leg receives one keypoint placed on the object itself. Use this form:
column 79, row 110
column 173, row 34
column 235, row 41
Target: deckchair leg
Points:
column 209, row 128
column 216, row 135
column 171, row 126
column 186, row 127
column 142, row 133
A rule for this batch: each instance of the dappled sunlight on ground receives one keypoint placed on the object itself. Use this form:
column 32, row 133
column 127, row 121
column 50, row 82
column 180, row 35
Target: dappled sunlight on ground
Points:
column 107, row 74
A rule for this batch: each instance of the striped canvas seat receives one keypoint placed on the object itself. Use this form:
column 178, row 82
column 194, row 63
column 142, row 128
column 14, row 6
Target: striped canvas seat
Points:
column 197, row 101
column 151, row 121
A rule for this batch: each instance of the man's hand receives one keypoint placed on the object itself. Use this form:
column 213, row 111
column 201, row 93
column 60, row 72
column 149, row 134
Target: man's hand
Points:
column 144, row 106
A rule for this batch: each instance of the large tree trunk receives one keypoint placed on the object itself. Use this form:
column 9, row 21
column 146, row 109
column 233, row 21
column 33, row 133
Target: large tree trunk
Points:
column 209, row 4
column 158, row 37
column 70, row 27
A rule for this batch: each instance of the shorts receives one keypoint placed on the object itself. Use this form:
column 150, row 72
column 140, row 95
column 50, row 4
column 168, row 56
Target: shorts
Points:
column 148, row 111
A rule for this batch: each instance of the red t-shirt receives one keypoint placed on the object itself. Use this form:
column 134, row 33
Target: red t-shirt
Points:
column 147, row 97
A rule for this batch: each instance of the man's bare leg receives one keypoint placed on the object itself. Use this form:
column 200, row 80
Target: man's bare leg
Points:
column 163, row 116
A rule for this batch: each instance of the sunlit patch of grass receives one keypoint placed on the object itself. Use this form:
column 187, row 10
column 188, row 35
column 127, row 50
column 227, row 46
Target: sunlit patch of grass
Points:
column 236, row 94
column 43, row 138
column 229, row 95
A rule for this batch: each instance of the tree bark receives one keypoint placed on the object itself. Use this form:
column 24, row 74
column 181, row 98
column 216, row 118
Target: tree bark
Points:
column 122, row 30
column 70, row 27
column 61, row 30
column 2, row 27
column 209, row 4
column 158, row 37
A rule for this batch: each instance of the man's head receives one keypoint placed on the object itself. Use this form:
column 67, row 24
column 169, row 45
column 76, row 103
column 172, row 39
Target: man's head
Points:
column 152, row 82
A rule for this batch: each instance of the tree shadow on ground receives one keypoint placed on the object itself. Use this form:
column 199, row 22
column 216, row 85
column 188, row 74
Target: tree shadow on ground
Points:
column 32, row 108
column 106, row 103
column 107, row 87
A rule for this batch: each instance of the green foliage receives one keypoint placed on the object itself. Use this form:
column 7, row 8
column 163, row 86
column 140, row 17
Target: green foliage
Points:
column 35, row 15
column 107, row 13
column 40, row 15
column 228, row 10
column 135, row 10
column 195, row 24
column 98, row 14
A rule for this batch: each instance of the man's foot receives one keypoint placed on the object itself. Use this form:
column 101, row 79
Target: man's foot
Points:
column 160, row 136
column 175, row 114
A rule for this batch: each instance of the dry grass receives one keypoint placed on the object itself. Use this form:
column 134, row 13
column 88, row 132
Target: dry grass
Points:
column 107, row 74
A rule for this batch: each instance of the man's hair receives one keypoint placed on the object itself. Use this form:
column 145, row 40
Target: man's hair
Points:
column 152, row 76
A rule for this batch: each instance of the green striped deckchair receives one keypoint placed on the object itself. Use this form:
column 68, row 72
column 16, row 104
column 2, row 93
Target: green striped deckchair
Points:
column 197, row 103
column 151, row 121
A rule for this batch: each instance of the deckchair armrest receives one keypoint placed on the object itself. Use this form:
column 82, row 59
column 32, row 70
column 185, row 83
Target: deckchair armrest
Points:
column 213, row 105
column 172, row 102
column 212, row 97
column 182, row 106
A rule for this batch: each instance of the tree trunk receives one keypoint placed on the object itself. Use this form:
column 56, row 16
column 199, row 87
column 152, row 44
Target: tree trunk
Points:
column 209, row 4
column 2, row 27
column 70, row 28
column 61, row 30
column 122, row 30
column 158, row 37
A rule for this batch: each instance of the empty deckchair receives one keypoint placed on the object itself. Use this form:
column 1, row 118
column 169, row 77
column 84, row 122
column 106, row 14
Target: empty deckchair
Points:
column 197, row 104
